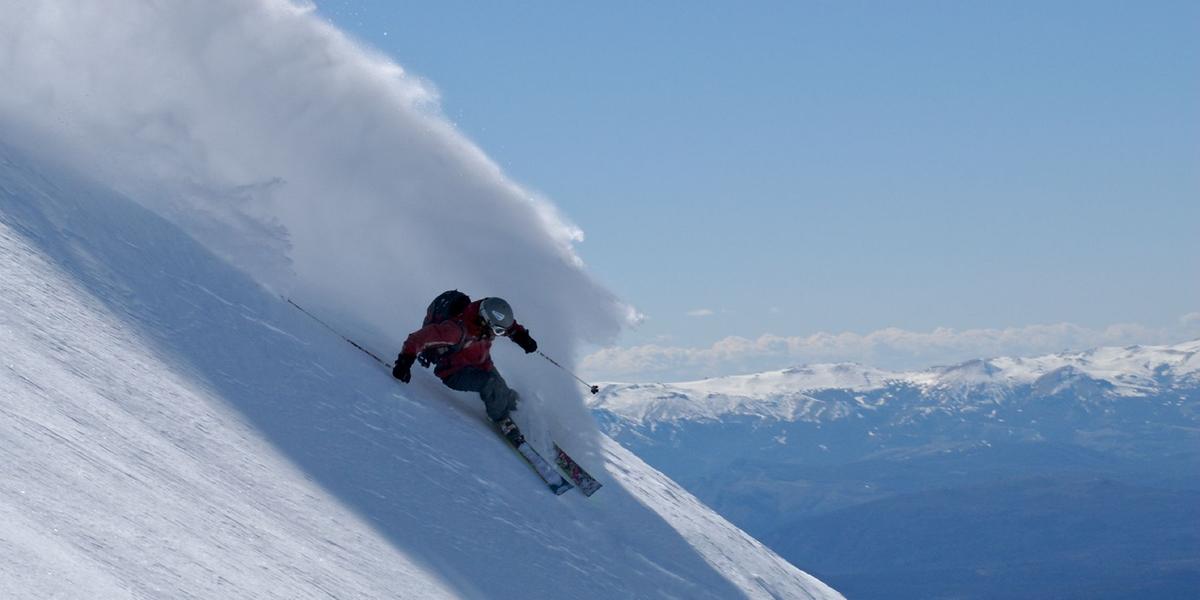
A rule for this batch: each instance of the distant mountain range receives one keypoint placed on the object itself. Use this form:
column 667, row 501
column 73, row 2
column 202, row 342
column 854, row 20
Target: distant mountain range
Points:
column 828, row 392
column 821, row 456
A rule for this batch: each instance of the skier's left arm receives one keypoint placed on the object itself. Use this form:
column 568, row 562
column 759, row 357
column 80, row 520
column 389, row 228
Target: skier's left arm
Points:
column 520, row 336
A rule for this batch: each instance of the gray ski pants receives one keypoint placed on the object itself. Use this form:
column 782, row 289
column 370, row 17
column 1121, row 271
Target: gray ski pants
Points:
column 497, row 396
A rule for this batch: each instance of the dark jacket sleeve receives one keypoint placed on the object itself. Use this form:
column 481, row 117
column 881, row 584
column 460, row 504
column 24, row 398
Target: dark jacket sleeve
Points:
column 520, row 336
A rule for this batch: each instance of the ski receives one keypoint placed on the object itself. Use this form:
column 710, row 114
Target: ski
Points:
column 513, row 436
column 584, row 481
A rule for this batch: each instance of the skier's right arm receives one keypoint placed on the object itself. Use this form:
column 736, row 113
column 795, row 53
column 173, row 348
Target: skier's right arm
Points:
column 430, row 336
column 447, row 333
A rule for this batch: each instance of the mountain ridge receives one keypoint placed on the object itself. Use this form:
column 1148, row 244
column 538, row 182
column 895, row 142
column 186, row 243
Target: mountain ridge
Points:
column 875, row 484
column 790, row 394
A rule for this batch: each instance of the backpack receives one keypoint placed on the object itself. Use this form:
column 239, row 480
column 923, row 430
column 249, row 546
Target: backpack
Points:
column 448, row 305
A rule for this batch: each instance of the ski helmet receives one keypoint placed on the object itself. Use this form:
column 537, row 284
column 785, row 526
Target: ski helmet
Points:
column 496, row 314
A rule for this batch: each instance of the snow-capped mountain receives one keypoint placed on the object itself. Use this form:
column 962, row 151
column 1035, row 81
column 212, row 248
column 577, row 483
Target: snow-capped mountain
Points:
column 878, row 479
column 832, row 392
column 170, row 429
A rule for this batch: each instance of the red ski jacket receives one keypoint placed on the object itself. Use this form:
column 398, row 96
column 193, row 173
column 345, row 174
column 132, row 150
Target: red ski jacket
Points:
column 474, row 342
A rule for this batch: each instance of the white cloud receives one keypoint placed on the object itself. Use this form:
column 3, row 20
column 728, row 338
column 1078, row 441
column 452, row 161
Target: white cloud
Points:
column 888, row 348
column 701, row 312
column 1191, row 320
column 633, row 316
column 321, row 167
column 251, row 119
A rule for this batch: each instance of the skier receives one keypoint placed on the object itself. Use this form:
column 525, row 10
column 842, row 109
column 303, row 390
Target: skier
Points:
column 457, row 337
column 460, row 347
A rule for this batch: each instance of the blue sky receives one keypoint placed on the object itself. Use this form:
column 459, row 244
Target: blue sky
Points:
column 796, row 168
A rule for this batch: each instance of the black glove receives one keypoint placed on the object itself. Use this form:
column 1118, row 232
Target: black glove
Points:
column 403, row 368
column 523, row 339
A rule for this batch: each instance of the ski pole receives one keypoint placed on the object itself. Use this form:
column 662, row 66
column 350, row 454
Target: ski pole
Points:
column 339, row 334
column 594, row 388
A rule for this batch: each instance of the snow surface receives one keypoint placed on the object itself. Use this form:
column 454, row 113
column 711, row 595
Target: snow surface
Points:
column 1132, row 371
column 168, row 429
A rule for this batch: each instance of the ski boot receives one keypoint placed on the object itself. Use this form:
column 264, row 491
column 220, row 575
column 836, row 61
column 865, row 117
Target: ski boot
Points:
column 510, row 431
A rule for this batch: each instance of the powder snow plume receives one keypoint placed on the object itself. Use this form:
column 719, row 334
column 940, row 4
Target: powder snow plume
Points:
column 317, row 165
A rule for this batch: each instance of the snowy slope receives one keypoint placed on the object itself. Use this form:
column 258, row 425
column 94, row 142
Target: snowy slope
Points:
column 168, row 429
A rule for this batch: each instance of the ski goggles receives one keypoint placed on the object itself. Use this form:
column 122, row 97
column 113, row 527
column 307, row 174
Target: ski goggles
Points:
column 496, row 330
